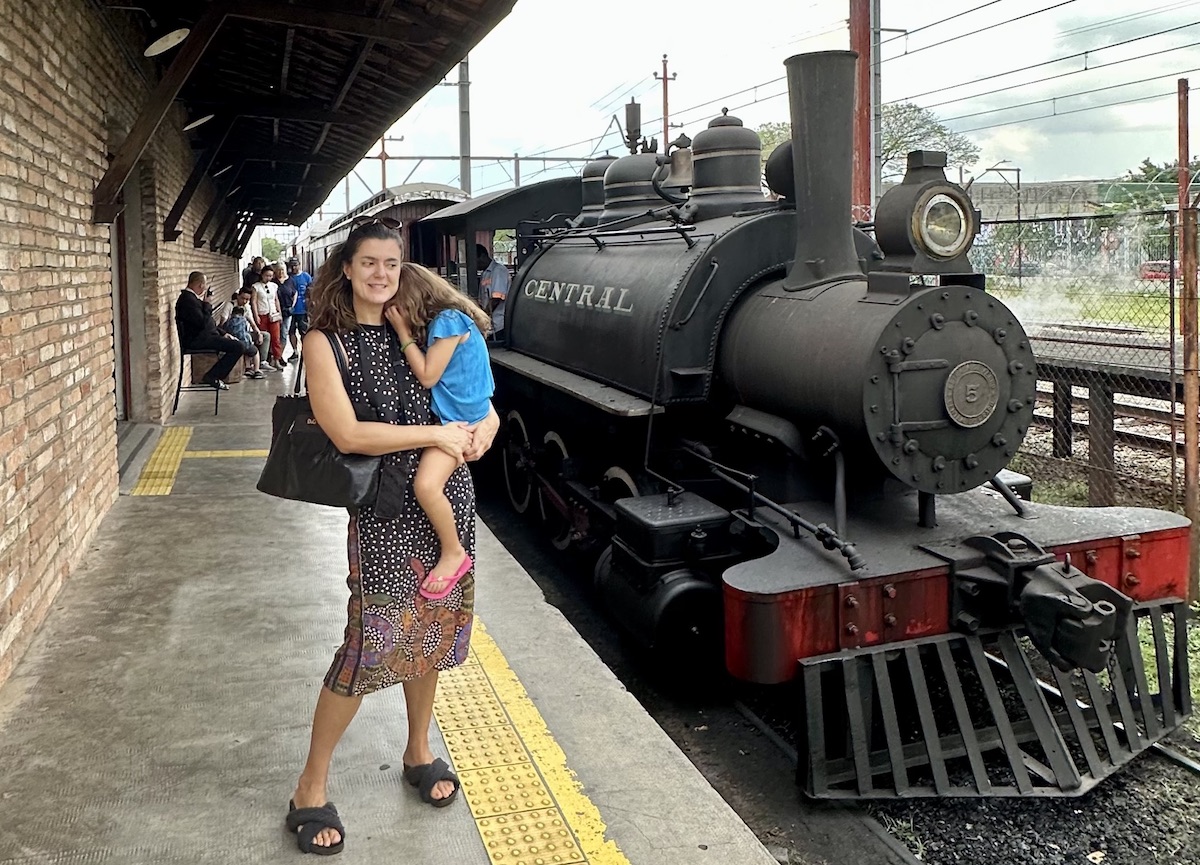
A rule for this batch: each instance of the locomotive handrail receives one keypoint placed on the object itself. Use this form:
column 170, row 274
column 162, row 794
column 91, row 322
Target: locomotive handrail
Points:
column 699, row 297
column 828, row 537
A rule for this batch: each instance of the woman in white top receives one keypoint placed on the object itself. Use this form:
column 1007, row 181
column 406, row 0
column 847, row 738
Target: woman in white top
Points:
column 266, row 308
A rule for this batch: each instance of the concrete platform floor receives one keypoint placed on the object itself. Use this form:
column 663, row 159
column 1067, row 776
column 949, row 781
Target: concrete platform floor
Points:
column 162, row 713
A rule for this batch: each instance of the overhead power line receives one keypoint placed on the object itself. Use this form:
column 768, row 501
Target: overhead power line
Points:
column 1077, row 55
column 957, row 15
column 1070, row 95
column 950, row 39
column 1059, row 75
column 1070, row 111
column 595, row 140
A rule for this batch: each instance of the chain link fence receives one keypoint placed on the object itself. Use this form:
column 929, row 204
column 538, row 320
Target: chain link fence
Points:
column 1098, row 297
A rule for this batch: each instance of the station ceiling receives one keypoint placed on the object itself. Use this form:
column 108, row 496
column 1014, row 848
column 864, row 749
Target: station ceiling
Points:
column 299, row 91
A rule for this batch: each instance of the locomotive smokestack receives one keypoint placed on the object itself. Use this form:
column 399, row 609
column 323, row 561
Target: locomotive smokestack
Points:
column 821, row 98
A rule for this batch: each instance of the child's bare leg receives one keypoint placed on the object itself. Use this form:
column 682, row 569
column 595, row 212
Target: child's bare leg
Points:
column 433, row 471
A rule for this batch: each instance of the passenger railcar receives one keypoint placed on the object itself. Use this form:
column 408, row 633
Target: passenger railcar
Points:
column 407, row 204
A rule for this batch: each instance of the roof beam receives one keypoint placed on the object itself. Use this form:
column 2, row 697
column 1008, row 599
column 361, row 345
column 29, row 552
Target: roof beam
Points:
column 286, row 109
column 222, row 194
column 245, row 239
column 288, row 40
column 203, row 164
column 368, row 26
column 280, row 155
column 105, row 206
column 348, row 77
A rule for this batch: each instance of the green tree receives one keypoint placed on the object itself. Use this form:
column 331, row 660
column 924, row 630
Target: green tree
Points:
column 906, row 127
column 1150, row 186
column 271, row 249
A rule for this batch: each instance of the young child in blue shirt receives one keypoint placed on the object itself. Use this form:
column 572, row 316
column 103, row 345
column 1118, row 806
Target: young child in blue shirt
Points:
column 456, row 368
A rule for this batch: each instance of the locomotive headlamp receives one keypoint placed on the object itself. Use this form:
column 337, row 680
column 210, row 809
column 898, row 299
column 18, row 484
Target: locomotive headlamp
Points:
column 941, row 225
column 926, row 224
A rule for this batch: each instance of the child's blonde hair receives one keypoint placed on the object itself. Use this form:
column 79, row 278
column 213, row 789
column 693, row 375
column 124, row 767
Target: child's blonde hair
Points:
column 423, row 294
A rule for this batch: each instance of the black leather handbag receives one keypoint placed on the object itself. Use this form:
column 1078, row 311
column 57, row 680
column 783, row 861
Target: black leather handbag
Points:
column 304, row 465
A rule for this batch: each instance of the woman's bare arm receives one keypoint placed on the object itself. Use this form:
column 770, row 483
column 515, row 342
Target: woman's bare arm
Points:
column 334, row 412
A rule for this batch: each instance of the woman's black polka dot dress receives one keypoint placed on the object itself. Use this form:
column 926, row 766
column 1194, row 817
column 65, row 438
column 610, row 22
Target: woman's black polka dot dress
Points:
column 393, row 634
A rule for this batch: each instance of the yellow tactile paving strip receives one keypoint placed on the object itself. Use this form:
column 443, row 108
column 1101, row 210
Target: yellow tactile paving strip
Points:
column 197, row 455
column 158, row 476
column 528, row 805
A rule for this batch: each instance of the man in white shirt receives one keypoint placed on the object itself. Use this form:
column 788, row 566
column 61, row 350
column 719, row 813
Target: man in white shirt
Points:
column 493, row 288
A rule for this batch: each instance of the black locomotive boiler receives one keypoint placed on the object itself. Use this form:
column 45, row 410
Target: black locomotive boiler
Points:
column 787, row 439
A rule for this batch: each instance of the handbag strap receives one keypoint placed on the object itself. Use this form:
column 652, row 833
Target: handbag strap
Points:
column 339, row 355
column 299, row 377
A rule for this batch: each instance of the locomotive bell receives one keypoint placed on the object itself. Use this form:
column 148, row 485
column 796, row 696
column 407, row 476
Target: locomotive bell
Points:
column 681, row 176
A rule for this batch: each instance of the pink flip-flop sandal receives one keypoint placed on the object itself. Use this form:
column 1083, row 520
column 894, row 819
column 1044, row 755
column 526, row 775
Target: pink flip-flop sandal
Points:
column 458, row 575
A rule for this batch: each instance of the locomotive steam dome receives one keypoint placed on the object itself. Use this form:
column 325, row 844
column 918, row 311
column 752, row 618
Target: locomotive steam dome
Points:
column 593, row 191
column 726, row 158
column 628, row 190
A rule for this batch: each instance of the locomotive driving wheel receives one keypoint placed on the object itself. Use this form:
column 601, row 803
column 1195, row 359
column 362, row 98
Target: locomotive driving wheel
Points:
column 556, row 521
column 518, row 475
column 618, row 484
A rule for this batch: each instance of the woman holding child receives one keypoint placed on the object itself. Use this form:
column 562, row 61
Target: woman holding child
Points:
column 410, row 609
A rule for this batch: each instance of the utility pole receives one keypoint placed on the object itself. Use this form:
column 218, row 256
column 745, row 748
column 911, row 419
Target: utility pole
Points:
column 666, row 117
column 861, row 39
column 877, row 105
column 464, row 128
column 1191, row 347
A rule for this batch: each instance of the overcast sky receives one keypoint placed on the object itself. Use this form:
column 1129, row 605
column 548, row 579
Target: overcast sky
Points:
column 549, row 78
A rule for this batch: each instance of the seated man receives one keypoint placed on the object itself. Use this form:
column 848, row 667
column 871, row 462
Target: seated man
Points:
column 198, row 332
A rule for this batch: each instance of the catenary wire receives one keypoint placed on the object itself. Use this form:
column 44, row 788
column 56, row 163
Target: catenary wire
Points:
column 757, row 100
column 1057, row 76
column 1040, row 64
column 948, row 18
column 950, row 39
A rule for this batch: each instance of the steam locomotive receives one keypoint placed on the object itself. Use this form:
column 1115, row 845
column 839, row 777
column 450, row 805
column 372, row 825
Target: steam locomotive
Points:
column 787, row 438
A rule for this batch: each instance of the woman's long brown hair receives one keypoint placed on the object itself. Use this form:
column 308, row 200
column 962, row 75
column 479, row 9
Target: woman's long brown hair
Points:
column 423, row 294
column 331, row 297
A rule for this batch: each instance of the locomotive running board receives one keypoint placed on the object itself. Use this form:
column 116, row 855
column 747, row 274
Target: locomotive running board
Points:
column 967, row 716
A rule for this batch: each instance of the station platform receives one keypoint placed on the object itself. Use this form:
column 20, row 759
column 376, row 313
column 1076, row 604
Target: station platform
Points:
column 162, row 713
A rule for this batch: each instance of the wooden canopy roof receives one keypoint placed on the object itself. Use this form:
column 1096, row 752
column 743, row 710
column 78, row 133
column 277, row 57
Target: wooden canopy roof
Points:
column 299, row 91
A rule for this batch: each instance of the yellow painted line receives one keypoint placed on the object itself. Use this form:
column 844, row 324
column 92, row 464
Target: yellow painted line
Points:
column 158, row 476
column 196, row 455
column 529, row 807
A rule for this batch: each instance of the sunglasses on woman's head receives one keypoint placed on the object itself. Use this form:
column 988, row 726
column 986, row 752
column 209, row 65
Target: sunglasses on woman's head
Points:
column 385, row 221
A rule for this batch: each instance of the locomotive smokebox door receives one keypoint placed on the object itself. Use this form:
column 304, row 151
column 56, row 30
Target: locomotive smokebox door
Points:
column 949, row 391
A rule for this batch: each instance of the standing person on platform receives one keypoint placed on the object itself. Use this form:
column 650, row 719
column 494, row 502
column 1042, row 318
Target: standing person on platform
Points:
column 198, row 330
column 266, row 308
column 252, row 270
column 287, row 299
column 493, row 288
column 300, row 281
column 393, row 634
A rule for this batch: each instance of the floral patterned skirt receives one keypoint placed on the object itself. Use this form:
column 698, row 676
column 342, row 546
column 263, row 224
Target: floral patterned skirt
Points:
column 393, row 634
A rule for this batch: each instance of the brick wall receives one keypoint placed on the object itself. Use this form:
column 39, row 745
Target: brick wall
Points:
column 66, row 88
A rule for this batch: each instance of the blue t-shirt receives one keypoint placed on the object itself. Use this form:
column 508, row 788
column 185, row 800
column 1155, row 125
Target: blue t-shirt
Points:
column 463, row 391
column 300, row 283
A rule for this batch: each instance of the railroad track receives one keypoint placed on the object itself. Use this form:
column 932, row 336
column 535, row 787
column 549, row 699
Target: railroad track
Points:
column 1146, row 441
